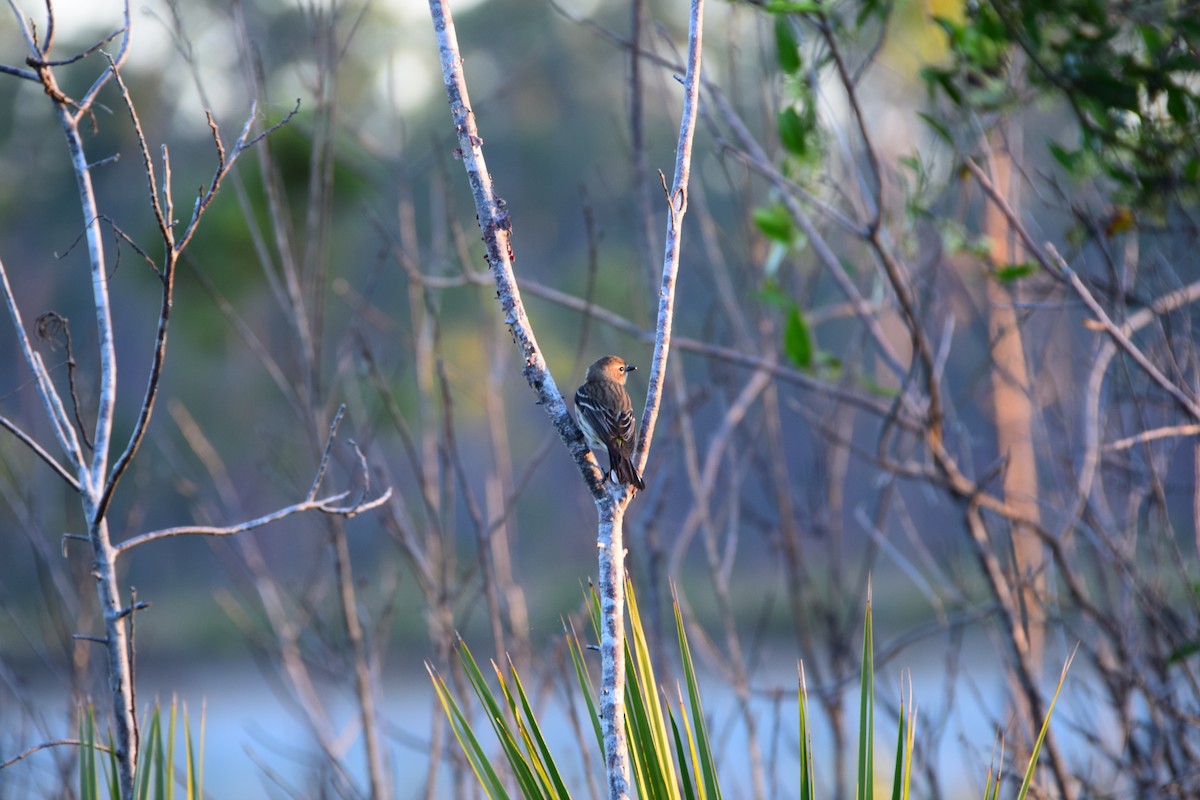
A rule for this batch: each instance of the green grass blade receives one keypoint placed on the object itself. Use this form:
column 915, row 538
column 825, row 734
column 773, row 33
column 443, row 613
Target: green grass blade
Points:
column 911, row 739
column 898, row 775
column 195, row 762
column 474, row 752
column 1037, row 746
column 681, row 755
column 200, row 759
column 703, row 745
column 113, row 774
column 169, row 789
column 548, row 770
column 151, row 756
column 805, row 739
column 647, row 770
column 536, row 731
column 522, row 770
column 192, row 790
column 697, row 770
column 991, row 789
column 89, row 787
column 866, row 711
column 656, row 745
column 585, row 683
column 593, row 598
column 906, row 734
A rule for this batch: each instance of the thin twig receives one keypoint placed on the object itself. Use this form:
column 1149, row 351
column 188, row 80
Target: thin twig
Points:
column 1121, row 338
column 55, row 743
column 326, row 505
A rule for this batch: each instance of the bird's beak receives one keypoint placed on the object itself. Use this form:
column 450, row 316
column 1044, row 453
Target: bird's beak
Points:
column 630, row 368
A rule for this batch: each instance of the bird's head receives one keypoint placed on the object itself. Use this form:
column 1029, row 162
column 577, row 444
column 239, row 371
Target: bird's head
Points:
column 612, row 368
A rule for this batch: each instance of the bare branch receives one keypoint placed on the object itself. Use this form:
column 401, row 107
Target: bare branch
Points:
column 39, row 451
column 496, row 226
column 1169, row 432
column 1121, row 337
column 19, row 73
column 326, row 505
column 44, row 745
column 328, row 449
column 677, row 203
column 164, row 226
column 53, row 404
column 85, row 103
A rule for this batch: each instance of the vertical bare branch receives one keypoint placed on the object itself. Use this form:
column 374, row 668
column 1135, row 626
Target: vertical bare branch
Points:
column 677, row 202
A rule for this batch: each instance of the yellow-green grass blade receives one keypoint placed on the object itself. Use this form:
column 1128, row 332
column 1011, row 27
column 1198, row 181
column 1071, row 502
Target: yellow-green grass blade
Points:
column 697, row 770
column 1037, row 746
column 594, row 609
column 897, row 780
column 648, row 770
column 522, row 743
column 703, row 742
column 585, row 683
column 910, row 740
column 989, row 792
column 113, row 775
column 512, row 751
column 681, row 754
column 866, row 711
column 169, row 767
column 992, row 790
column 906, row 733
column 151, row 756
column 89, row 785
column 805, row 738
column 560, row 789
column 647, row 687
column 466, row 738
column 195, row 765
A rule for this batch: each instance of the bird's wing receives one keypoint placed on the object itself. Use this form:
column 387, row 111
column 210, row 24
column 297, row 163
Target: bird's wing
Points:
column 615, row 426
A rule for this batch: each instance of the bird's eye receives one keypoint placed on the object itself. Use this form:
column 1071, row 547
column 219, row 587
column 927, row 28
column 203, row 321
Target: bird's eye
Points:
column 621, row 368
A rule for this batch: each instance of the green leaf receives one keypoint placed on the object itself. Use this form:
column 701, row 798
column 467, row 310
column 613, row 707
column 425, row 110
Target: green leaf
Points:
column 1183, row 652
column 1107, row 90
column 941, row 130
column 1152, row 38
column 1177, row 105
column 797, row 341
column 944, row 79
column 794, row 7
column 794, row 129
column 1069, row 159
column 1011, row 272
column 775, row 223
column 771, row 294
column 786, row 47
column 1191, row 170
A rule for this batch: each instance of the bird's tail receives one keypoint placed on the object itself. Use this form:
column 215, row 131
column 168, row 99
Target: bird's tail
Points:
column 627, row 474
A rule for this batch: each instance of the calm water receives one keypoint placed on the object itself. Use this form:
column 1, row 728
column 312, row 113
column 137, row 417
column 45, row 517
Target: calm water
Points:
column 253, row 740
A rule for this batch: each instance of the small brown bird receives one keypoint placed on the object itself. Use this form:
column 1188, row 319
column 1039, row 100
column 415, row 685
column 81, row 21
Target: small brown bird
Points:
column 606, row 416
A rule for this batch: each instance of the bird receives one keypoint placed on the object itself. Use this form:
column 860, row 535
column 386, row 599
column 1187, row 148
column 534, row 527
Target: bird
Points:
column 605, row 415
